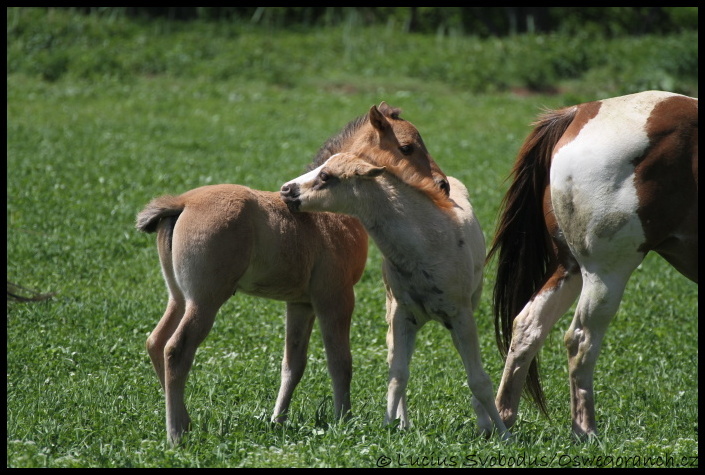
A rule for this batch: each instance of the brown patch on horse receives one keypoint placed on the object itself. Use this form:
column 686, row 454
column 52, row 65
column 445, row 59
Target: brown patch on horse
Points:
column 672, row 129
column 671, row 225
column 584, row 114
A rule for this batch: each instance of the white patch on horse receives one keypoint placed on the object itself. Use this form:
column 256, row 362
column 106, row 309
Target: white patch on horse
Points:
column 592, row 180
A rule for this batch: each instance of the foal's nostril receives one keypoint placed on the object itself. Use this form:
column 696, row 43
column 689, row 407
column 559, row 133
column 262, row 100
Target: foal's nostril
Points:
column 289, row 193
column 289, row 190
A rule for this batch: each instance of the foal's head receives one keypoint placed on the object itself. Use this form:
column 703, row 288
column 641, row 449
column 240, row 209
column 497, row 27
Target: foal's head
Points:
column 339, row 185
column 386, row 140
column 330, row 187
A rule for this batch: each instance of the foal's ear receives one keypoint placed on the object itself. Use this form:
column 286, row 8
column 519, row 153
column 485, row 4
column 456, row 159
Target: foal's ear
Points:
column 383, row 107
column 378, row 120
column 367, row 170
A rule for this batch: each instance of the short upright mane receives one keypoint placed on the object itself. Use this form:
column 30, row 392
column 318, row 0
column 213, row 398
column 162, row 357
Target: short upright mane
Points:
column 336, row 143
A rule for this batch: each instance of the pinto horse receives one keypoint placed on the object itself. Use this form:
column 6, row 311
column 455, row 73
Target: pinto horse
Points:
column 434, row 253
column 595, row 187
column 217, row 240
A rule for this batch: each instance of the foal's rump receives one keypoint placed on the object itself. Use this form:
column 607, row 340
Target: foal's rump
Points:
column 216, row 204
column 208, row 216
column 204, row 239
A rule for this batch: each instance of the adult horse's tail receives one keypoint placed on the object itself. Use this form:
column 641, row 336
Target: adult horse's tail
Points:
column 522, row 241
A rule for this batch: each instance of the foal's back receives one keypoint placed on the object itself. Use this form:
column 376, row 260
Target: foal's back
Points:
column 473, row 230
column 230, row 238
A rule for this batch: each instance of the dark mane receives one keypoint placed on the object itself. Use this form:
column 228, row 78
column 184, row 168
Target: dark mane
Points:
column 335, row 143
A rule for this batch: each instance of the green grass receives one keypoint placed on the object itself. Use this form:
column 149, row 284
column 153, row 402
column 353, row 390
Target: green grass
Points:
column 86, row 153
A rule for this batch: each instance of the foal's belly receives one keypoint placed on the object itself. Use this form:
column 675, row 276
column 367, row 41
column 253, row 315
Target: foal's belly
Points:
column 424, row 300
column 289, row 286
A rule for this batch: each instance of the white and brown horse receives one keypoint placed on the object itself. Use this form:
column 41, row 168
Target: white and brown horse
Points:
column 595, row 187
column 217, row 240
column 434, row 253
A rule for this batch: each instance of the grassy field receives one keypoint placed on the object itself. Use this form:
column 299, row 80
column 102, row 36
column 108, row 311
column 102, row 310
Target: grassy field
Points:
column 88, row 147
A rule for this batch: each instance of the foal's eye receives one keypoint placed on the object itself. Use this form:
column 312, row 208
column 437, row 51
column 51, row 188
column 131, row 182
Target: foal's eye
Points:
column 406, row 149
column 323, row 176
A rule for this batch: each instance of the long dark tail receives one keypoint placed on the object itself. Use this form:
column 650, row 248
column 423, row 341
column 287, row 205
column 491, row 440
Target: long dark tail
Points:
column 522, row 241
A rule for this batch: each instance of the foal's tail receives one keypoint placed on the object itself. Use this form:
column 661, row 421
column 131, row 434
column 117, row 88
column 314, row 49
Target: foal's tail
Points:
column 522, row 241
column 162, row 207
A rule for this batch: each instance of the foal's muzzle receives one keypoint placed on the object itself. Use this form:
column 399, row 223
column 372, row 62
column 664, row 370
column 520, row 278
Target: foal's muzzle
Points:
column 290, row 195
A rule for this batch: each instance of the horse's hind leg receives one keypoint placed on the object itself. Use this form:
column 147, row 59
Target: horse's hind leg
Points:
column 466, row 341
column 401, row 338
column 599, row 301
column 334, row 316
column 178, row 356
column 161, row 334
column 299, row 323
column 531, row 327
column 156, row 341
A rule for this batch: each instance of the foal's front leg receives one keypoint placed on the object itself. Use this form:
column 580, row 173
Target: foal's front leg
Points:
column 299, row 323
column 401, row 338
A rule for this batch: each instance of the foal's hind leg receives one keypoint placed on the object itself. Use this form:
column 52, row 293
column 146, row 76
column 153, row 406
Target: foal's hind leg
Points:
column 156, row 341
column 466, row 341
column 531, row 327
column 401, row 338
column 334, row 312
column 598, row 303
column 299, row 323
column 178, row 356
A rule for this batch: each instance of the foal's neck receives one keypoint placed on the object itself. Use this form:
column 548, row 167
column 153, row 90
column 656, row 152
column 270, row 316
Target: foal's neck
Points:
column 404, row 222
